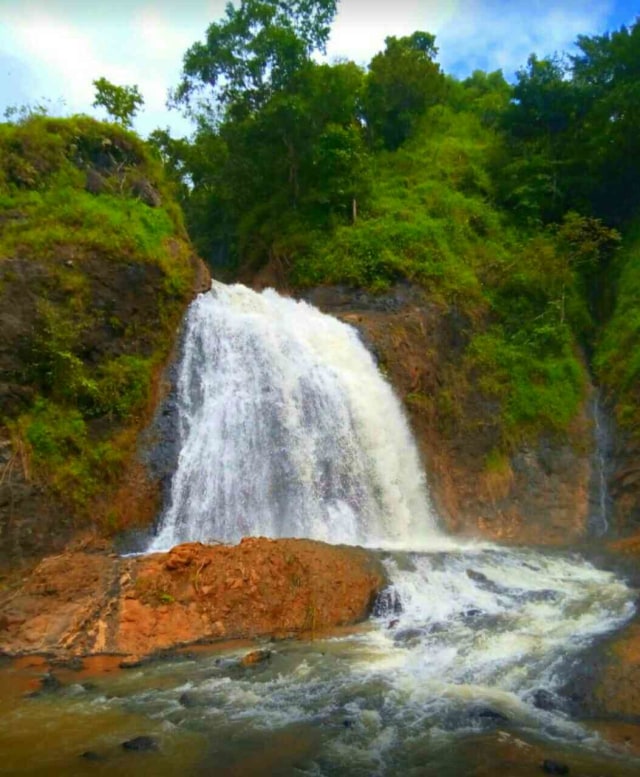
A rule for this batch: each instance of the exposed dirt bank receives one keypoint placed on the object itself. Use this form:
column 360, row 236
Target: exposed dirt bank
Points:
column 85, row 603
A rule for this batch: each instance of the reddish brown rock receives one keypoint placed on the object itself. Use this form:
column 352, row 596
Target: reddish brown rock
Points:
column 81, row 603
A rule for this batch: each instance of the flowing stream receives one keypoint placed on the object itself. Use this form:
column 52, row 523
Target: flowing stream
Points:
column 288, row 429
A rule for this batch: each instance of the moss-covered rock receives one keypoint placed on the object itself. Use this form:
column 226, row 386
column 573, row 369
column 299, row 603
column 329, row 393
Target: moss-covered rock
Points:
column 95, row 273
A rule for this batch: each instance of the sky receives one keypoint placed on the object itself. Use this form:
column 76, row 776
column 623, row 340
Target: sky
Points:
column 53, row 49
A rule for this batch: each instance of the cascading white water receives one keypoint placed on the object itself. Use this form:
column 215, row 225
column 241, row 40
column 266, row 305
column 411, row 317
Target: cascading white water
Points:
column 601, row 500
column 288, row 430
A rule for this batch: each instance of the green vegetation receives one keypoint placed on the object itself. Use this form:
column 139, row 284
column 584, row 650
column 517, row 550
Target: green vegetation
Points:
column 618, row 352
column 430, row 220
column 95, row 267
column 121, row 102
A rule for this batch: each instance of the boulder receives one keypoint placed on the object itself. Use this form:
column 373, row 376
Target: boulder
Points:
column 85, row 603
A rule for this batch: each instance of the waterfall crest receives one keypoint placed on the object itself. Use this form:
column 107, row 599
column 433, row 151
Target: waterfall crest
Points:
column 288, row 429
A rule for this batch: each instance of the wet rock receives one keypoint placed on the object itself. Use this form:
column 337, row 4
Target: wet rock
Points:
column 165, row 601
column 387, row 603
column 477, row 577
column 191, row 700
column 488, row 715
column 541, row 596
column 554, row 767
column 409, row 637
column 544, row 700
column 75, row 664
column 484, row 582
column 91, row 755
column 141, row 744
column 472, row 612
column 49, row 683
column 133, row 663
column 255, row 657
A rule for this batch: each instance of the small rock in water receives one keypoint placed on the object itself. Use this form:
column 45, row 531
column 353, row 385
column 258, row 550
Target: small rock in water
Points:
column 141, row 744
column 190, row 700
column 255, row 657
column 477, row 577
column 49, row 683
column 134, row 663
column 544, row 700
column 554, row 767
column 483, row 581
column 408, row 635
column 76, row 664
column 488, row 714
column 91, row 755
column 472, row 612
column 387, row 603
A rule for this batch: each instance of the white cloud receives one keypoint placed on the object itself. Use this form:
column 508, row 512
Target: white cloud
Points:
column 361, row 27
column 487, row 34
column 69, row 45
column 502, row 34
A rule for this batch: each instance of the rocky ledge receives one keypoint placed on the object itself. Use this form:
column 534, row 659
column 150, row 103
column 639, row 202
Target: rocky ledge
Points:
column 82, row 603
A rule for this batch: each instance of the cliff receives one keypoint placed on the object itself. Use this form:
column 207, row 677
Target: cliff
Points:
column 96, row 271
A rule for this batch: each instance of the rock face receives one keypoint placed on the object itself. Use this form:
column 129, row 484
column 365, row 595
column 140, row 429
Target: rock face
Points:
column 540, row 495
column 84, row 603
column 96, row 272
column 625, row 484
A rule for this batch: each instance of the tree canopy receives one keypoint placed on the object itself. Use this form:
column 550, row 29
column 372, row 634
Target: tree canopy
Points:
column 256, row 50
column 403, row 81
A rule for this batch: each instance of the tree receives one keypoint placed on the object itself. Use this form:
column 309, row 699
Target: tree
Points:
column 606, row 71
column 255, row 51
column 488, row 95
column 122, row 103
column 286, row 132
column 541, row 121
column 403, row 81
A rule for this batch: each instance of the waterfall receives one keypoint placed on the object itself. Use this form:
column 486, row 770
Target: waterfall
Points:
column 288, row 429
column 600, row 500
